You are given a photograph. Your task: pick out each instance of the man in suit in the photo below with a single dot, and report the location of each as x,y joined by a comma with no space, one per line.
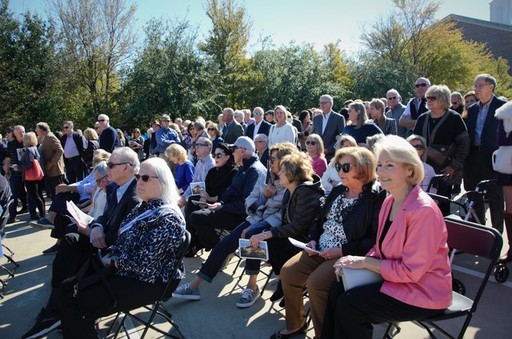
76,247
231,129
73,145
328,125
482,128
108,135
416,106
260,126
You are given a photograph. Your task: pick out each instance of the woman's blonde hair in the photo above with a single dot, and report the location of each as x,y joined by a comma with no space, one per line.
30,139
90,134
177,151
362,116
297,168
401,151
365,162
319,142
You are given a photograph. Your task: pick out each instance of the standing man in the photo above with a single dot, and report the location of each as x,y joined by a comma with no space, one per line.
416,106
482,128
108,137
396,109
248,120
231,129
52,158
165,137
456,101
13,157
73,145
328,125
260,126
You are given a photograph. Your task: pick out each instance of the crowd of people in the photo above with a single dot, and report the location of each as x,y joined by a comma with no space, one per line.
350,185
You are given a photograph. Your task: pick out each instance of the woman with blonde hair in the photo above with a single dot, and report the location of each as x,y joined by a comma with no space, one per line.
315,149
184,167
331,177
282,130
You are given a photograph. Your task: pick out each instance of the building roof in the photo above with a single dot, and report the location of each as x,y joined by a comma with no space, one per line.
497,37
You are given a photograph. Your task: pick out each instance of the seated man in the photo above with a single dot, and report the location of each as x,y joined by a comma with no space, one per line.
229,212
101,233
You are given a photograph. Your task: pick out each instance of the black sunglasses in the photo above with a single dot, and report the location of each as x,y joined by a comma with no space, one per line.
144,177
431,98
112,165
419,147
65,127
311,142
345,167
421,85
99,180
218,155
392,98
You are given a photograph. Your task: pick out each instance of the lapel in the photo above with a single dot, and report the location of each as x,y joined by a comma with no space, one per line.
490,113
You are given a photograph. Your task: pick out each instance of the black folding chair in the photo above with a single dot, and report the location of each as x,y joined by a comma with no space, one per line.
4,217
474,239
157,308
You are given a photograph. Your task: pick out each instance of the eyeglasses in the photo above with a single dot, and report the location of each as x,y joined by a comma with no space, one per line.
166,120
258,141
257,114
218,155
112,165
211,129
419,147
204,144
65,127
144,177
480,85
392,98
423,84
324,102
345,167
309,142
454,103
99,180
101,120
431,98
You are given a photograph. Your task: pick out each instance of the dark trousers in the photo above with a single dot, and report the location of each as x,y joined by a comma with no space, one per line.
76,169
95,301
280,250
34,199
226,246
475,171
203,222
18,192
351,314
59,202
51,183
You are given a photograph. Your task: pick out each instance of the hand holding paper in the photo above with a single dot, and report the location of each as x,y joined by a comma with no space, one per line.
302,245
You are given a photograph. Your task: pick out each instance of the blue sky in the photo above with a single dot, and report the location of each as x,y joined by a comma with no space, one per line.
314,21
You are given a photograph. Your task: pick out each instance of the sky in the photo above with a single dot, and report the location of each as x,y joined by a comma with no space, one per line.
312,21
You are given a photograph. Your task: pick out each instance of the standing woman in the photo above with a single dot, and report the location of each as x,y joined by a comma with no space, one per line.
447,139
315,149
282,130
307,127
137,144
122,139
387,125
359,126
504,113
411,254
469,99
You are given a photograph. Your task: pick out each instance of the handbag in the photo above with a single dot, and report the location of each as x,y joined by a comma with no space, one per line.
439,155
502,160
34,173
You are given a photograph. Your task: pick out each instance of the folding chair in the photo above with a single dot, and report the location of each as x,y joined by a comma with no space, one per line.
474,239
4,217
157,308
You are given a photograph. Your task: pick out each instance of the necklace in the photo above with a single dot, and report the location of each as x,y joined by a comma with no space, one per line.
397,204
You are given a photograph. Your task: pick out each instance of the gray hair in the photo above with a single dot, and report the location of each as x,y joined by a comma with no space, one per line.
442,93
169,190
261,137
126,154
327,97
488,79
239,114
43,126
101,168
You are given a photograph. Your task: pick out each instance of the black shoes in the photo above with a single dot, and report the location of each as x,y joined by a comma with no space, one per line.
46,322
278,294
51,250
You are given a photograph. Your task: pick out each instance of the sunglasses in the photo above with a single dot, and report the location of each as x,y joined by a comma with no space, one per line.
112,165
205,145
211,129
431,98
101,120
454,103
419,147
99,180
311,142
421,85
392,98
218,155
345,167
65,127
166,120
144,177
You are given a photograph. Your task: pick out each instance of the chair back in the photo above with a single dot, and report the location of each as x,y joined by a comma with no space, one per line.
180,254
4,216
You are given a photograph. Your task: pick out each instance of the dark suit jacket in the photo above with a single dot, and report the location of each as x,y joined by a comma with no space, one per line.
77,138
233,131
264,129
109,139
335,126
488,139
53,153
116,212
264,157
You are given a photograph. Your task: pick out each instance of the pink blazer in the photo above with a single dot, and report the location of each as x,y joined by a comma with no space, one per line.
416,270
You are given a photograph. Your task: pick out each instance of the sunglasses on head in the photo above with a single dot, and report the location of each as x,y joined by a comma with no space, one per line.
421,85
345,167
144,177
309,142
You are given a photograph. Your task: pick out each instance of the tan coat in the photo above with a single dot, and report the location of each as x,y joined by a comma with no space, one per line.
52,152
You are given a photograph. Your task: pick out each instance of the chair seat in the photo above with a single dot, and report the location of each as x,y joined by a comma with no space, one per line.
460,306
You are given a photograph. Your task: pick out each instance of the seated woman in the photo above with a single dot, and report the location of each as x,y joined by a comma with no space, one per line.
215,135
184,167
263,208
315,149
141,267
359,126
347,225
410,253
331,177
420,145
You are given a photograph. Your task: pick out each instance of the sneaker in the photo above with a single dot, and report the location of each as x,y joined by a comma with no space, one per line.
248,298
45,323
51,250
42,223
185,292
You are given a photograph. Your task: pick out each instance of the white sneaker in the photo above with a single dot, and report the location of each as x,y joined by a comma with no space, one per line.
248,298
185,292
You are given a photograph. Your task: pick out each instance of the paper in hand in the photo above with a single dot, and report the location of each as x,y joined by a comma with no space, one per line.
77,214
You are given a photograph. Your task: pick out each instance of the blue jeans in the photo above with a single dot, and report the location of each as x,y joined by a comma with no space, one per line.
228,245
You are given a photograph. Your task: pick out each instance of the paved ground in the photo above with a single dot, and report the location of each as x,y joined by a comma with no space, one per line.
216,315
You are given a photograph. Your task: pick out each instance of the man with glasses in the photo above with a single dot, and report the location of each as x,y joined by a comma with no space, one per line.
261,144
482,128
416,106
260,125
76,247
396,109
108,137
457,104
328,125
73,145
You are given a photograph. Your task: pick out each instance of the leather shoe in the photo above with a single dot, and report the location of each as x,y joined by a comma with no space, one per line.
279,335
278,294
